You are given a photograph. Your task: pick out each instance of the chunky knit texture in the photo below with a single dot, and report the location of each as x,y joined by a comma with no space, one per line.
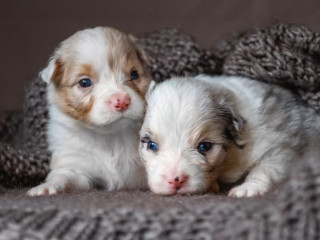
283,54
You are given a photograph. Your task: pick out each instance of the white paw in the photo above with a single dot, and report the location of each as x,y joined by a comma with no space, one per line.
247,190
45,189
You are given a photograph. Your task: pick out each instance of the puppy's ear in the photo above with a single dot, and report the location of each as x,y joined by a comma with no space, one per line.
140,52
53,72
47,72
234,124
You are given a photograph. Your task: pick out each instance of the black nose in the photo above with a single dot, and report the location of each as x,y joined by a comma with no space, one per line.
177,179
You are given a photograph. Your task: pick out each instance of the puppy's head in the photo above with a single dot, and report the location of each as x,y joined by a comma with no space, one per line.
187,135
98,76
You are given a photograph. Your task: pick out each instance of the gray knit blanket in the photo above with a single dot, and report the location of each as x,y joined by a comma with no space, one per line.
283,54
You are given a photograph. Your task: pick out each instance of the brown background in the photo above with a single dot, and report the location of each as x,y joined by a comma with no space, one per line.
30,29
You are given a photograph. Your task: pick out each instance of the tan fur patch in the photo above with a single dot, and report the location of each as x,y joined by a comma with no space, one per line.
80,111
221,158
58,72
209,132
69,102
127,57
230,161
87,70
141,84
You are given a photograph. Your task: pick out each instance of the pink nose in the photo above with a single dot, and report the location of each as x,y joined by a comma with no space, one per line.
178,181
119,102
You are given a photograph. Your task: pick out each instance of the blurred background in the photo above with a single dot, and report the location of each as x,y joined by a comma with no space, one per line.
31,29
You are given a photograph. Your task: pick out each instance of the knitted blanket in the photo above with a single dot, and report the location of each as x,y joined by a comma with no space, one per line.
283,54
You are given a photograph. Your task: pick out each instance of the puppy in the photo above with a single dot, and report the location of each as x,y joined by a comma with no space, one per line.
202,131
97,80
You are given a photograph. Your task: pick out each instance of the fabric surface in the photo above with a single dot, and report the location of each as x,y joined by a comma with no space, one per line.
282,54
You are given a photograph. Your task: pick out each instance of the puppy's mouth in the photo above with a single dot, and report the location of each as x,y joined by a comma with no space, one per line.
126,116
183,190
113,125
110,119
120,120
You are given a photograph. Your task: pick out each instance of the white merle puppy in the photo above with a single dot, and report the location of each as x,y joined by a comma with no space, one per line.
97,80
199,132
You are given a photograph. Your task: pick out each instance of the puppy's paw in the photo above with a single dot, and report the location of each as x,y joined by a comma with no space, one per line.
45,189
247,190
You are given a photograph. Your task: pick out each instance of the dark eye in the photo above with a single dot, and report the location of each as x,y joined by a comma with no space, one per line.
84,83
134,75
152,146
204,147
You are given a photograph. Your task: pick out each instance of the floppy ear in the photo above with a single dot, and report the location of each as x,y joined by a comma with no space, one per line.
140,52
234,124
53,72
47,72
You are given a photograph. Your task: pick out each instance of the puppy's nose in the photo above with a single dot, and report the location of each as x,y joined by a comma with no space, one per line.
119,102
178,181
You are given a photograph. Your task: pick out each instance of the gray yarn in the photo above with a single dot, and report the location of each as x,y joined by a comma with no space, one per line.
283,54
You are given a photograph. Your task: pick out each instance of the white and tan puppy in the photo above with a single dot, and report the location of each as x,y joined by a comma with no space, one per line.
204,130
97,80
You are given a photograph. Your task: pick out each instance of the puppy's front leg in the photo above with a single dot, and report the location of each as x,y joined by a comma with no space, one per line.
259,181
61,180
256,183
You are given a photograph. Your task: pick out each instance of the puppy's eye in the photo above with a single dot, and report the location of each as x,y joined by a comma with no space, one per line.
152,146
134,75
84,83
204,147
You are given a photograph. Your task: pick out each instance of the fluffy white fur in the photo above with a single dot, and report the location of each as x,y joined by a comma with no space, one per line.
103,149
263,119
